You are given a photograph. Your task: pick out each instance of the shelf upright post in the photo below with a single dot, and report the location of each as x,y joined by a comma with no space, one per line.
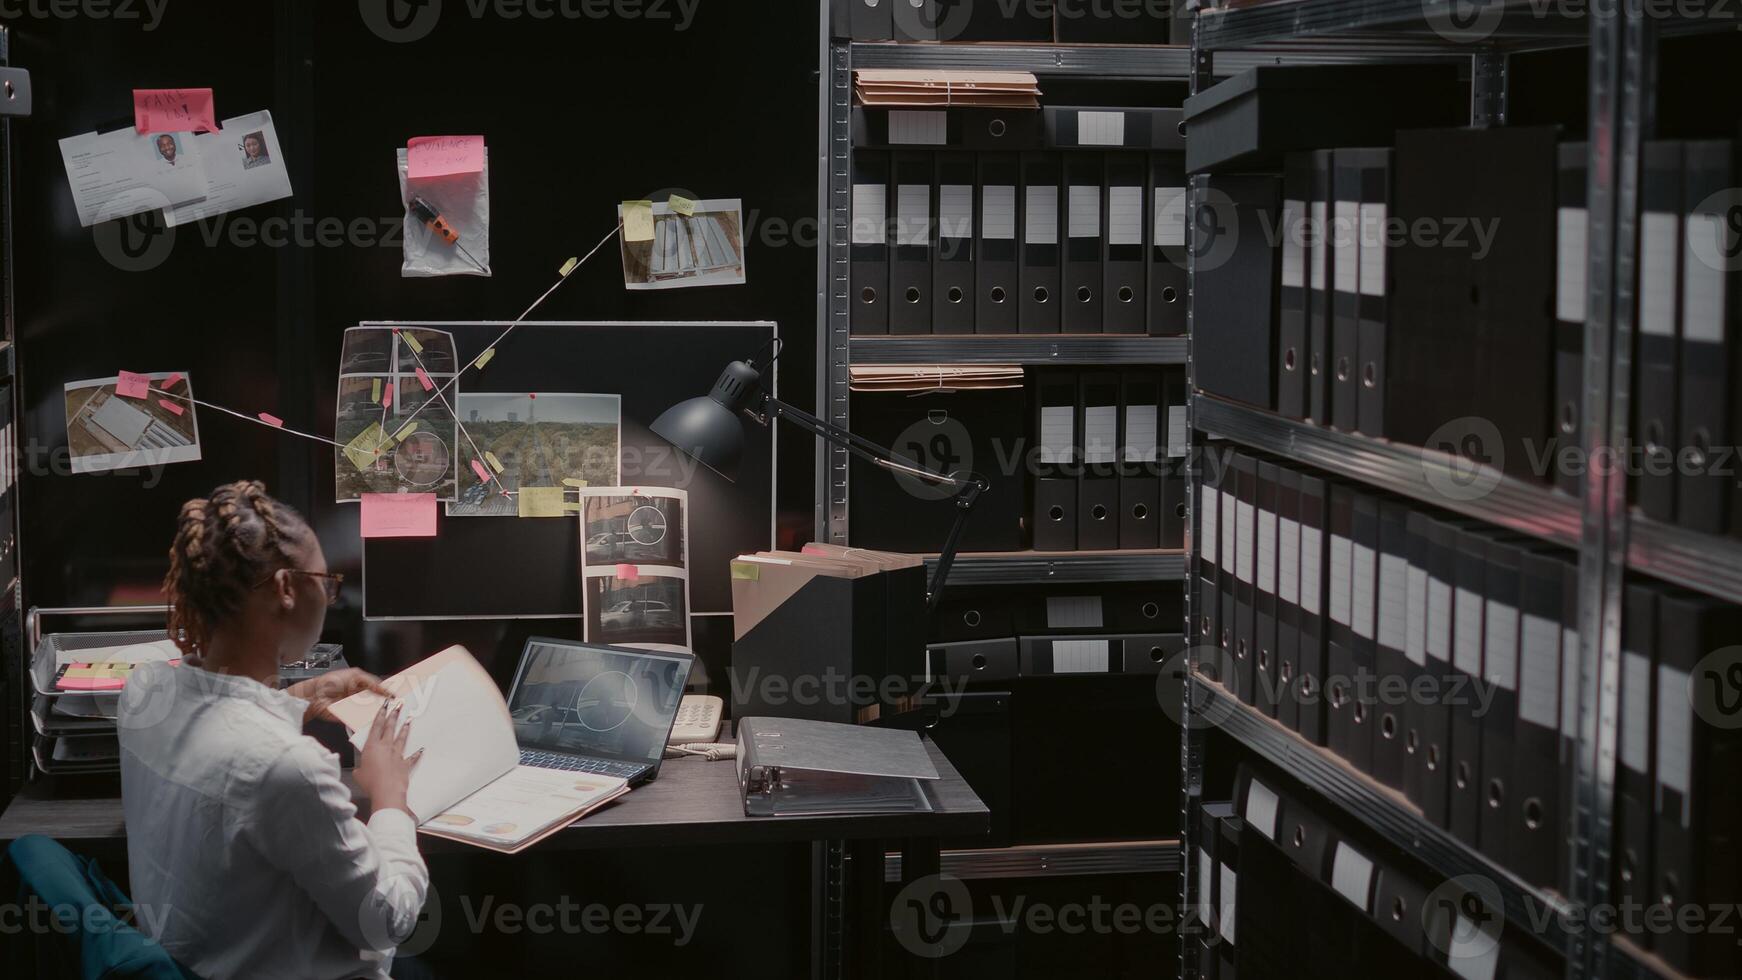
833,349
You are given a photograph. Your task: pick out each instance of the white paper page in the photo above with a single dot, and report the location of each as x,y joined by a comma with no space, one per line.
243,165
635,552
522,803
113,175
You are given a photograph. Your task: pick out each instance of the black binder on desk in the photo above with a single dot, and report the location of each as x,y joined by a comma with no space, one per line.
1291,342
1464,808
871,20
1363,624
910,272
1373,309
1418,549
1234,292
1436,756
1635,776
915,20
1502,587
1570,295
868,253
1711,353
1041,251
952,293
1340,643
1124,298
1207,537
1080,299
1536,826
1053,518
1288,596
1245,582
1344,236
995,247
1314,572
1140,509
1699,809
1168,206
1098,493
1264,661
1172,469
1391,663
1654,415
1319,293
797,766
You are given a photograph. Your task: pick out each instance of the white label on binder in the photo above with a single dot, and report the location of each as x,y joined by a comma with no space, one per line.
1206,898
1539,672
998,201
1261,809
1267,552
1042,224
1230,897
1345,247
1393,601
1079,656
1703,282
1073,612
1100,129
1243,536
1170,217
1439,620
955,211
1207,525
1361,581
1085,212
1288,561
1140,434
1675,734
1570,244
1635,711
1176,431
1321,255
1293,246
1101,434
1311,557
1659,241
1415,616
918,127
913,214
1352,875
1500,662
1230,520
1125,216
1340,579
1058,433
1467,632
1569,682
1473,951
1373,250
870,203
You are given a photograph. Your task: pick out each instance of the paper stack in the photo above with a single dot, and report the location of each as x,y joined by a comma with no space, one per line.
884,87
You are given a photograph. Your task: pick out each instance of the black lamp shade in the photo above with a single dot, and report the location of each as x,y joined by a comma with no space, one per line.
707,431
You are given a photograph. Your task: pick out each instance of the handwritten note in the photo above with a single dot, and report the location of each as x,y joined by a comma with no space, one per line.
541,502
439,156
399,515
424,380
366,447
174,110
638,221
130,385
272,420
627,573
171,381
483,474
170,407
681,205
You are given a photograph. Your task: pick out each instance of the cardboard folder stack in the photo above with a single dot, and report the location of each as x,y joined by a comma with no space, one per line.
919,378
885,87
829,633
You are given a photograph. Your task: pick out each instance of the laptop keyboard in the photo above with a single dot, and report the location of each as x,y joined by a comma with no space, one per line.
577,763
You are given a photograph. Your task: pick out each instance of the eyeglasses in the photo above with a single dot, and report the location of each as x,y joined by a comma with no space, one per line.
330,582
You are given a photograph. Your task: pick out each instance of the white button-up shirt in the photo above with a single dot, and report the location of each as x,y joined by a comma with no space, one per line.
247,856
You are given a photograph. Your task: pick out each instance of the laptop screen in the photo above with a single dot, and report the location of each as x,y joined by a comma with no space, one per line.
595,700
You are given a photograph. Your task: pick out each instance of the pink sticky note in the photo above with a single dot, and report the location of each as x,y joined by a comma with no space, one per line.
438,156
171,406
130,385
387,395
174,110
424,380
170,382
272,420
399,515
478,468
628,573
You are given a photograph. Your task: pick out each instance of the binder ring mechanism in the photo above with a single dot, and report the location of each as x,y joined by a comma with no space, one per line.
763,780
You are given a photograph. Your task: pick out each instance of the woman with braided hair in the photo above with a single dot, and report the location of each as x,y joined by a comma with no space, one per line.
245,847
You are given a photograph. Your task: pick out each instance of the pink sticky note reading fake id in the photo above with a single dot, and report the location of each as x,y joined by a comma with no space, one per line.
478,468
170,406
628,573
424,380
174,110
399,515
439,156
272,420
171,381
130,385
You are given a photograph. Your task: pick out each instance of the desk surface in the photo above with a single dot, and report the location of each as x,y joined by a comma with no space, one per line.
692,802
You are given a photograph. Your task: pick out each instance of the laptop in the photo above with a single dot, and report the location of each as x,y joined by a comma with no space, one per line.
588,707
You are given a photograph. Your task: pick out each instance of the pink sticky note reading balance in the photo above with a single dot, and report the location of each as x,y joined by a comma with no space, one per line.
130,385
439,156
399,515
174,110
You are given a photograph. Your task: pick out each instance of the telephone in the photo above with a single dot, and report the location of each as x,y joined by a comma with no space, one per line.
698,719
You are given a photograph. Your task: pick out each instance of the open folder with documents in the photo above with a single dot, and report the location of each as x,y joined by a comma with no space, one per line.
470,785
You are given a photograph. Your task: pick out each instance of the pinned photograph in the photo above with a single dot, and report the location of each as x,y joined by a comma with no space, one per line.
704,248
634,528
123,422
240,172
534,439
394,418
643,606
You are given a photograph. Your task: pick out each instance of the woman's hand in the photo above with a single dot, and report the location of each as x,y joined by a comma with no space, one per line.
383,771
336,685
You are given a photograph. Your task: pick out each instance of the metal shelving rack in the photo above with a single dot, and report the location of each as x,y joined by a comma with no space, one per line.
1622,45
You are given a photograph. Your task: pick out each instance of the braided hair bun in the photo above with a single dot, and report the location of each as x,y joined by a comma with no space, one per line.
225,546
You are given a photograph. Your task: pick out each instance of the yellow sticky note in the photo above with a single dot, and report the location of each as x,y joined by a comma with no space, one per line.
638,221
568,267
541,501
363,450
409,428
375,392
580,484
746,571
681,205
411,341
484,358
490,457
